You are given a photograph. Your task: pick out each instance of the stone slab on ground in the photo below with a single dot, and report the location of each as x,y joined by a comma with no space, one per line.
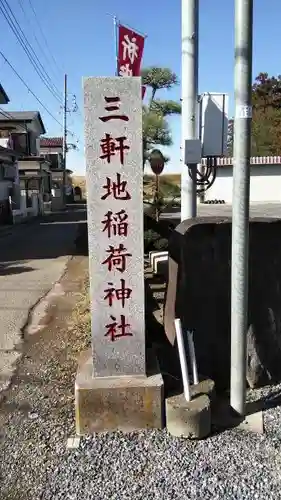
124,404
223,418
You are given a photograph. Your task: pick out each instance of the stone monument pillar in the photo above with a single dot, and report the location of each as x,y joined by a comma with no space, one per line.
114,389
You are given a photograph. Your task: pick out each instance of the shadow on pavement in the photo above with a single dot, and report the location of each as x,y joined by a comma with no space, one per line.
7,269
50,237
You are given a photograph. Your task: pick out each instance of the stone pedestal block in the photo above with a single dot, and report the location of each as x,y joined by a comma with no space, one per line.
127,403
189,419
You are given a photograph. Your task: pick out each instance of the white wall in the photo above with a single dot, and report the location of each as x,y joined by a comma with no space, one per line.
265,184
29,165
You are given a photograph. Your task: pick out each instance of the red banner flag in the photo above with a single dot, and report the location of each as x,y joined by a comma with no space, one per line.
130,51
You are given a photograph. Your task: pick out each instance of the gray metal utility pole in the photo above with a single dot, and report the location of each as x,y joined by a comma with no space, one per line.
64,151
240,201
190,29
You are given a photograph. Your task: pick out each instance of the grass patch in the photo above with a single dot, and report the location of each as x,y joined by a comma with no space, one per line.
81,318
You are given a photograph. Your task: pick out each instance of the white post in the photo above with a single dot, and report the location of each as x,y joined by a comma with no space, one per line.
183,362
192,357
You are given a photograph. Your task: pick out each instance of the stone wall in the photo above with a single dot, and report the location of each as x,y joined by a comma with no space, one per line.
200,262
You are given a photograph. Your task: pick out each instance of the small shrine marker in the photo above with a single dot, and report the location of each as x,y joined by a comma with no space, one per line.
113,148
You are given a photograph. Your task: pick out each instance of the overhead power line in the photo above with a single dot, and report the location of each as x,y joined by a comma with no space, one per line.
29,89
18,32
41,48
34,95
44,38
60,70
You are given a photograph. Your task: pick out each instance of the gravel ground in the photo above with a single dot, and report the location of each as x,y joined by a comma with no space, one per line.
37,417
145,465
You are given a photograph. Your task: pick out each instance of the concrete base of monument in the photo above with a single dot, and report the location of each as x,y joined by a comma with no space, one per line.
189,419
117,403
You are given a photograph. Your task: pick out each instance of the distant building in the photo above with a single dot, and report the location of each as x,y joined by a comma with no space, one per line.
265,180
9,175
51,148
21,131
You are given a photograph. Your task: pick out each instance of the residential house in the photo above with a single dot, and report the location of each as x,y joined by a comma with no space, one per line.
22,129
51,148
9,179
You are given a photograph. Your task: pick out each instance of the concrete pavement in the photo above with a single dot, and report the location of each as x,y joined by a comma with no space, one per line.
33,258
256,210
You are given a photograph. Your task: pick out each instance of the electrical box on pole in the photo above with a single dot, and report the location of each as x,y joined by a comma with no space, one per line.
213,124
192,151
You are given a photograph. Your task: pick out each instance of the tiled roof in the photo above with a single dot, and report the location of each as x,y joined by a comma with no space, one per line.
255,160
51,142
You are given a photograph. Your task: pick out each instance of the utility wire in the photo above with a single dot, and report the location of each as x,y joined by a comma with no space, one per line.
41,48
24,42
29,89
44,38
59,68
15,27
9,115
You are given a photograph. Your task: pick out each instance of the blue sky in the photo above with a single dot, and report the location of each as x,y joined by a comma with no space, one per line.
80,37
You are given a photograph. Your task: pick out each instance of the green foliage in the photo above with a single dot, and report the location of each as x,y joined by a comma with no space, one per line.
153,241
165,108
266,122
166,189
159,78
156,130
169,189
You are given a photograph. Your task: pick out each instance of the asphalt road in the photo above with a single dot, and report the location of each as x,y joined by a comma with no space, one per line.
33,257
256,210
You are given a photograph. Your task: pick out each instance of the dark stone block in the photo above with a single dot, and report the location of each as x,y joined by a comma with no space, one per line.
81,241
200,262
